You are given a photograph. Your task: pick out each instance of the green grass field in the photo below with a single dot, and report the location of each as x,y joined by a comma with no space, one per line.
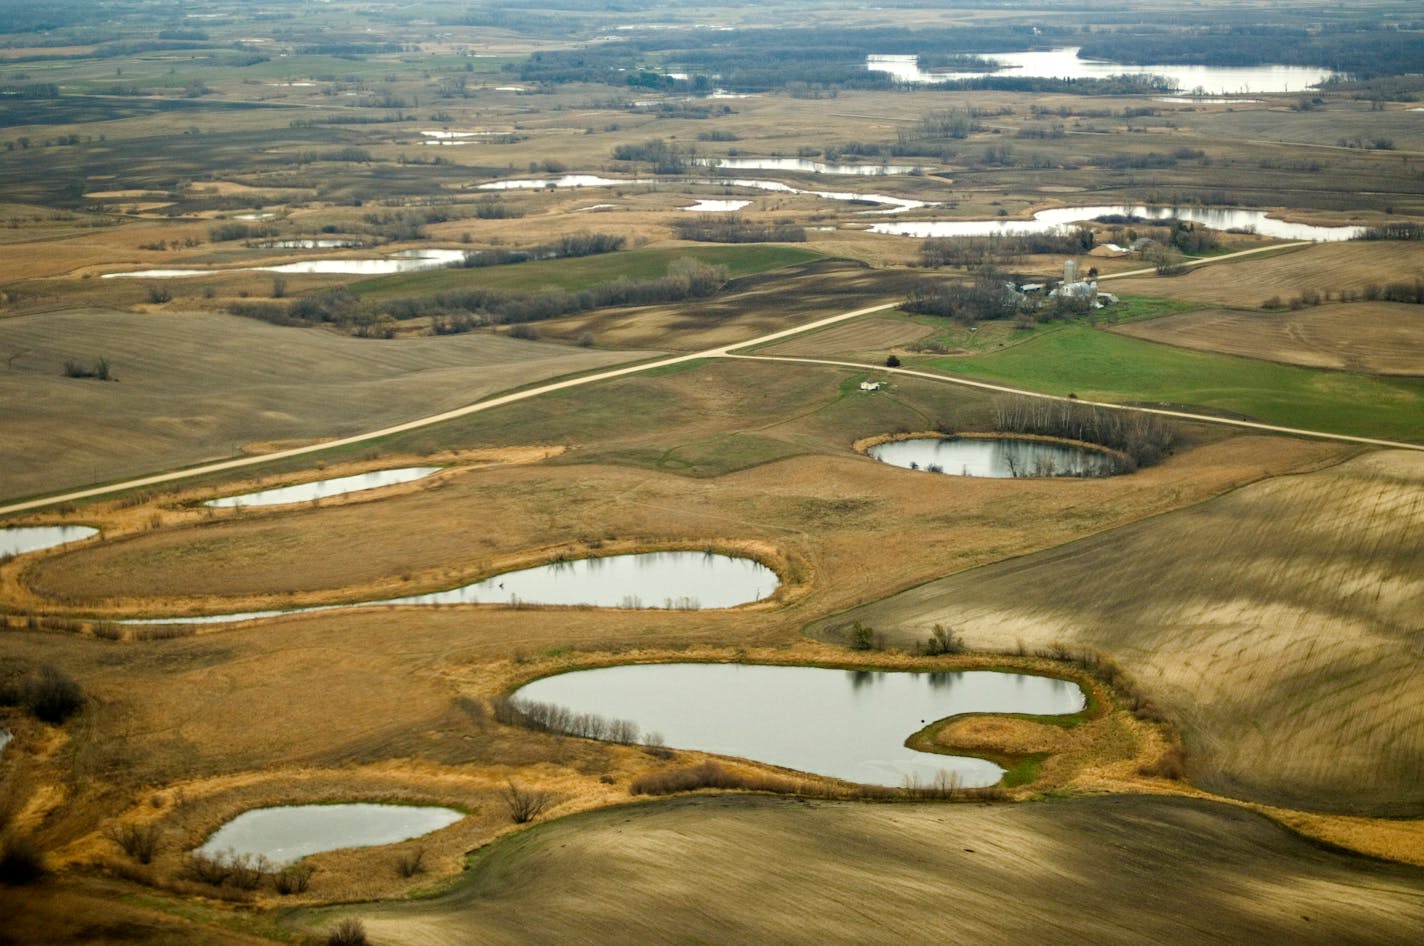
1101,366
580,273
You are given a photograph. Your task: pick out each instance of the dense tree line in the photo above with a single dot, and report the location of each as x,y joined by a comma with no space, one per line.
735,229
1144,439
1394,231
1003,248
464,309
566,247
663,156
1368,51
989,296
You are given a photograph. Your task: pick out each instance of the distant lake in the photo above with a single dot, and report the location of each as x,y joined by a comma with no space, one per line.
1217,218
1063,63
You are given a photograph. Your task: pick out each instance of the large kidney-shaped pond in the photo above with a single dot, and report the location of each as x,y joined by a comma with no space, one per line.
998,457
291,832
675,580
847,724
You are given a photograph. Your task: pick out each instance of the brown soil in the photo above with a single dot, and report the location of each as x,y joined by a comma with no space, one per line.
1325,267
1375,337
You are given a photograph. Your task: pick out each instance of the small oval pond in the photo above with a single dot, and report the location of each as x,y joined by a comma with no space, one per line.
685,581
291,832
303,492
17,540
847,724
1005,457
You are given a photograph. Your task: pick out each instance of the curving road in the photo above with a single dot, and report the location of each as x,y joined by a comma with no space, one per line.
725,351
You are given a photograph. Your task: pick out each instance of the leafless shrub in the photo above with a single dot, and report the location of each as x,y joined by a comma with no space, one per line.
22,860
1171,764
525,804
349,932
49,694
294,878
943,640
210,869
248,871
655,746
412,862
138,841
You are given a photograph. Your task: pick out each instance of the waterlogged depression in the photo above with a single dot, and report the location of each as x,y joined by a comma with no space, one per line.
847,724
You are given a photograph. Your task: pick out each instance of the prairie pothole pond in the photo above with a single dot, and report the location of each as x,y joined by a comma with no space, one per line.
319,489
291,832
1004,457
684,581
847,724
17,540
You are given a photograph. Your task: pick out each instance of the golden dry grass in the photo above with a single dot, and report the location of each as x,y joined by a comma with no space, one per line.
1279,624
1374,337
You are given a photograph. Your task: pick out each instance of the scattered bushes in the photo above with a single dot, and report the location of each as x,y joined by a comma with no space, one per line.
860,637
21,859
525,804
943,640
138,841
49,694
411,863
241,871
1171,764
98,370
349,932
294,878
